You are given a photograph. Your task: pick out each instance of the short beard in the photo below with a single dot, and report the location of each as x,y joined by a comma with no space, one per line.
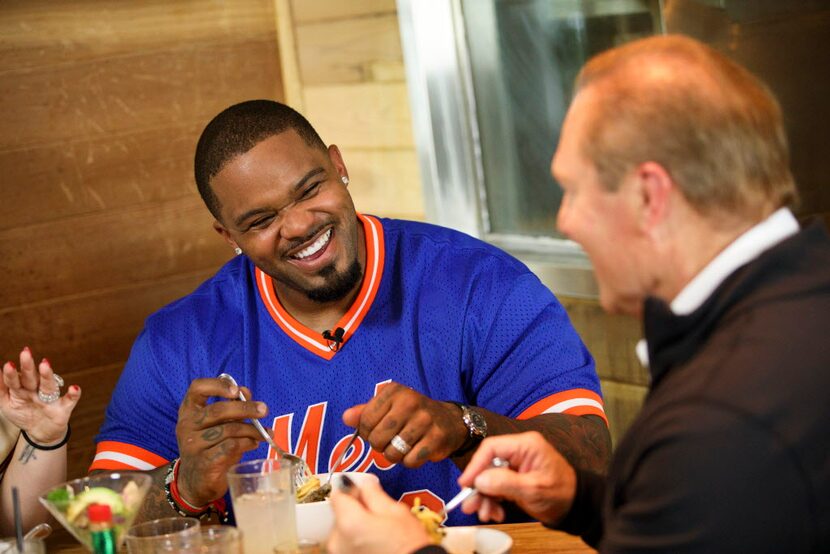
338,285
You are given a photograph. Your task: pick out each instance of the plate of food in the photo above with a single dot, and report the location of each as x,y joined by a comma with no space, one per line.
475,540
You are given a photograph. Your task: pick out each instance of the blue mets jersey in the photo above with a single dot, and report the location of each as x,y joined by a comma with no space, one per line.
441,312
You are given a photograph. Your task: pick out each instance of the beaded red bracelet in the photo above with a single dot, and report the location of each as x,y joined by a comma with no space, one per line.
177,498
185,508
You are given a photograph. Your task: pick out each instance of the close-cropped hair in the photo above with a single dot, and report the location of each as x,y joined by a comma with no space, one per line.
235,131
709,122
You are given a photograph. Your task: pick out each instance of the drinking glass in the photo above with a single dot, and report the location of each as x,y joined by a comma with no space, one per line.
30,546
262,492
304,546
221,539
124,492
171,534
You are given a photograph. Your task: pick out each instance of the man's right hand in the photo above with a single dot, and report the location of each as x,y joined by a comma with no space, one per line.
540,480
213,437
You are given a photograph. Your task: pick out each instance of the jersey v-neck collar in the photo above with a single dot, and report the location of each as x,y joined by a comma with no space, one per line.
312,340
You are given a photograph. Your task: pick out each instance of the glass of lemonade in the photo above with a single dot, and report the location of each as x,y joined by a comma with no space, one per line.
262,492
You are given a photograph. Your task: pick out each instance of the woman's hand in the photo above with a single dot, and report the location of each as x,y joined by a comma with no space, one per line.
44,422
368,521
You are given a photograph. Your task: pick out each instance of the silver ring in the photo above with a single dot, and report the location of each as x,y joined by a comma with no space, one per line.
58,379
48,398
400,445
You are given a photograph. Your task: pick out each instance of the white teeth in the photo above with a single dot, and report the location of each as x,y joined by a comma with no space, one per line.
315,247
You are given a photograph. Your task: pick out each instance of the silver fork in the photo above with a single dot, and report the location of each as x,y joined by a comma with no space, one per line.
301,471
340,457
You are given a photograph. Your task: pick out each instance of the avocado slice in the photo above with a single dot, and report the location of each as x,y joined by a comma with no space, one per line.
96,495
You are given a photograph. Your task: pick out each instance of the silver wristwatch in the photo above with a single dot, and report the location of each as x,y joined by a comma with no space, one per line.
476,427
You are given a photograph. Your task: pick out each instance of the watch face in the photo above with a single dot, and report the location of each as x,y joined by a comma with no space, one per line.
476,423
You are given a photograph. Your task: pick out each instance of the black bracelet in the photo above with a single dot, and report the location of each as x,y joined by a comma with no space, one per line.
168,481
51,447
224,516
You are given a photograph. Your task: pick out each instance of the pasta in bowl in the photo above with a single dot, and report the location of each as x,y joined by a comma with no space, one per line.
316,519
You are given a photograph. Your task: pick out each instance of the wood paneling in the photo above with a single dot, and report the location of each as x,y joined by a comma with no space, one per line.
45,33
317,10
112,96
610,338
93,329
622,404
346,51
148,241
366,115
80,177
101,104
385,182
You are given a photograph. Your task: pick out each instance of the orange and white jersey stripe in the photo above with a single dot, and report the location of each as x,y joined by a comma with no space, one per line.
114,455
574,402
310,339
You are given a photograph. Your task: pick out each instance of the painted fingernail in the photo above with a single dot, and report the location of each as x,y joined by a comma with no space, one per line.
45,361
74,388
12,364
346,484
26,349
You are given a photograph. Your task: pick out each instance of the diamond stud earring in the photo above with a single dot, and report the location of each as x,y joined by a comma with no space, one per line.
237,251
345,180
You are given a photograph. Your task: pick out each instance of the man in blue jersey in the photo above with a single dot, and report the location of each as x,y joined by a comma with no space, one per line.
424,339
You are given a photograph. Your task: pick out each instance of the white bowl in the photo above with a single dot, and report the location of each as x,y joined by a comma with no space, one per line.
315,519
465,540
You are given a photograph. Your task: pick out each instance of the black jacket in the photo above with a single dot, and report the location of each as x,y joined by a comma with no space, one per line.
731,451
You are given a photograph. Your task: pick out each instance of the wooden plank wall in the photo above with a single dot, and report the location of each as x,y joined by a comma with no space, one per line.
343,67
345,72
611,339
101,104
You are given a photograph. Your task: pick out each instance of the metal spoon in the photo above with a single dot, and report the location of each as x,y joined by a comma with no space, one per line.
467,492
301,470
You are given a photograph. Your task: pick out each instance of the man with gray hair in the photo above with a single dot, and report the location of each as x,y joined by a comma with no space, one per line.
675,170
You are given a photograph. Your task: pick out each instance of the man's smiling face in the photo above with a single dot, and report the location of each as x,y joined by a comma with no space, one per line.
285,205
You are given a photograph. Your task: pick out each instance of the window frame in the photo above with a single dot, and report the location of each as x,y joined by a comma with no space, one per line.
442,99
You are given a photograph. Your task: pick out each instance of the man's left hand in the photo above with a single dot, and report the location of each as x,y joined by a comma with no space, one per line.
426,429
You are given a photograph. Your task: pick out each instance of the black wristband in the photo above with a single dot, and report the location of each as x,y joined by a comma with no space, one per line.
50,447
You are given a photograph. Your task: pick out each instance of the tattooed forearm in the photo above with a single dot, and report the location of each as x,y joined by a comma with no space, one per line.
27,454
583,440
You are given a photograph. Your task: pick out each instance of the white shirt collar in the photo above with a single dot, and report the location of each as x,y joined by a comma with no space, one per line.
763,236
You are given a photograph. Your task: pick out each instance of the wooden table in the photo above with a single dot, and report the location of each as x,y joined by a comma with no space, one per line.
528,538
532,538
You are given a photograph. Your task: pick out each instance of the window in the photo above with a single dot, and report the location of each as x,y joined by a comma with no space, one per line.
490,82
